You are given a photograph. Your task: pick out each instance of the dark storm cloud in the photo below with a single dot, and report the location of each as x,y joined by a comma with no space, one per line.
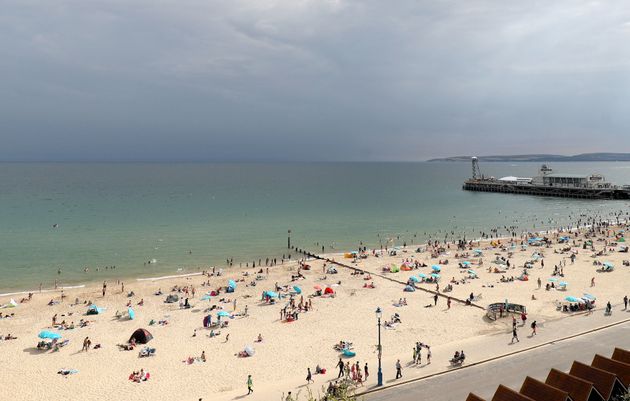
311,80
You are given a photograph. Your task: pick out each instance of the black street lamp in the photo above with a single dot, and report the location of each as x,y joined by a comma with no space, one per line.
379,314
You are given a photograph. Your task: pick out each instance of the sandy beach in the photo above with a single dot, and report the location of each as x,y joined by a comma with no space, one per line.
280,361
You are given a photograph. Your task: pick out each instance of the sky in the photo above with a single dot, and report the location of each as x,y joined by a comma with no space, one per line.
325,80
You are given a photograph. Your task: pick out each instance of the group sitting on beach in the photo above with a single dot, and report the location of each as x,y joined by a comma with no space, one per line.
140,376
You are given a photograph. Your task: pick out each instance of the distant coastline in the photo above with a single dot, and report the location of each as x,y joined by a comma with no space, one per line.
584,157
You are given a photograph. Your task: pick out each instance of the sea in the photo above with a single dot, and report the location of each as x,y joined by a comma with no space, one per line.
58,220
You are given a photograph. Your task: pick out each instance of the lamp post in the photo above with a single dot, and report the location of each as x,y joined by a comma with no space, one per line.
379,314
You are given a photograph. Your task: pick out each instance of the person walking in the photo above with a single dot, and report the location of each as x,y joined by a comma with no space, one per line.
309,376
448,303
625,302
539,283
365,371
340,366
250,385
435,299
398,369
514,335
428,355
534,325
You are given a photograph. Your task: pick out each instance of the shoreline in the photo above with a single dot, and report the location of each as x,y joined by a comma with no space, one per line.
140,278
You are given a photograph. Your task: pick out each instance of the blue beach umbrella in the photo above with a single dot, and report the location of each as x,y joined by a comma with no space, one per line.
271,294
436,268
572,299
223,314
474,273
553,279
206,297
563,284
608,264
589,297
132,314
49,335
466,263
434,275
414,279
422,275
297,289
232,284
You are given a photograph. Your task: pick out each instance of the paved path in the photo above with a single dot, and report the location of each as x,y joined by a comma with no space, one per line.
483,379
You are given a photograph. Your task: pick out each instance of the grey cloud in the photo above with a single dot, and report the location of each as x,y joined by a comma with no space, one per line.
311,80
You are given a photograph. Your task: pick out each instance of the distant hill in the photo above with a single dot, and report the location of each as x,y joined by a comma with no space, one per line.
584,157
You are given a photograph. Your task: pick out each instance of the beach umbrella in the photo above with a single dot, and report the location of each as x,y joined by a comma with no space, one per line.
436,268
608,264
317,287
223,314
422,275
573,299
49,335
466,263
589,297
435,275
472,272
553,279
271,294
206,297
563,284
414,279
297,289
232,284
249,350
132,314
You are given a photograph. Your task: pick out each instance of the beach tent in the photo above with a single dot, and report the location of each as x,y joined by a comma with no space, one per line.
608,266
329,290
49,335
94,310
409,288
297,289
132,314
574,299
348,353
394,269
232,284
622,239
436,268
207,321
141,336
170,299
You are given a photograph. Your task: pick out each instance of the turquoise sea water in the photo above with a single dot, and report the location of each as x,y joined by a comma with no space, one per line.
127,214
